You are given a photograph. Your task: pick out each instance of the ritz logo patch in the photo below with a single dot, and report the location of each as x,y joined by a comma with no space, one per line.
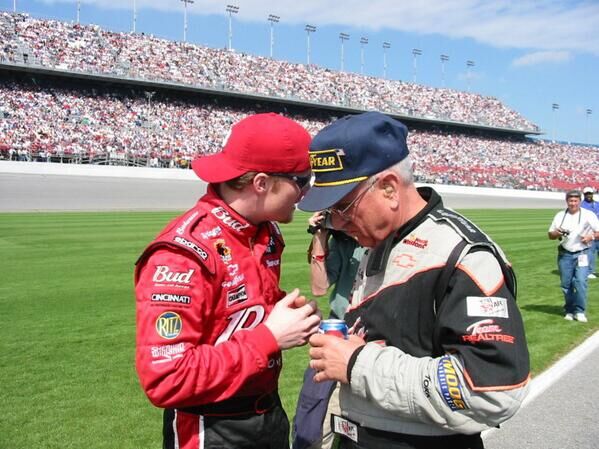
450,384
169,325
326,160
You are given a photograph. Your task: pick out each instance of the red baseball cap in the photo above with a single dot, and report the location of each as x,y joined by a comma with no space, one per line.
268,143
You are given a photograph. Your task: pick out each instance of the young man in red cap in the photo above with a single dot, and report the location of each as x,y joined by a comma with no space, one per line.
211,318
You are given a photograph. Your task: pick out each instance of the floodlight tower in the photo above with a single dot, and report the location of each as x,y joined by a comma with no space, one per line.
78,10
386,46
588,113
272,19
231,9
444,59
185,2
309,29
554,107
343,37
415,53
469,64
134,16
363,41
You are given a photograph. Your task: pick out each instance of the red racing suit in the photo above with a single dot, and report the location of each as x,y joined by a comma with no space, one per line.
203,289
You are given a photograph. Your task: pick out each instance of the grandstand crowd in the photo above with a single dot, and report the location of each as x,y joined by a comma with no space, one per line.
110,126
90,49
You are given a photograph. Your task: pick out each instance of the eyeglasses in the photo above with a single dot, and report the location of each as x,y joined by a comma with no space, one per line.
302,182
345,213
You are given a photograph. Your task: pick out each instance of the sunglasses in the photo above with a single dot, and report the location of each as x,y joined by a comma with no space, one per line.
302,182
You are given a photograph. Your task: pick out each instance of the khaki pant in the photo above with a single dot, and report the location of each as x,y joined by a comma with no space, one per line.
328,437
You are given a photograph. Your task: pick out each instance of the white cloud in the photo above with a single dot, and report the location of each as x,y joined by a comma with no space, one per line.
549,25
542,57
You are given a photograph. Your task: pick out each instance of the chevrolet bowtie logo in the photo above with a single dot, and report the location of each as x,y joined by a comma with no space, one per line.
326,160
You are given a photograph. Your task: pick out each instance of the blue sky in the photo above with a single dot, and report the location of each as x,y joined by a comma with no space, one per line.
528,53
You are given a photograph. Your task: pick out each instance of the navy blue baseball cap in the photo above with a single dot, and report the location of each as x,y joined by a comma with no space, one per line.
349,151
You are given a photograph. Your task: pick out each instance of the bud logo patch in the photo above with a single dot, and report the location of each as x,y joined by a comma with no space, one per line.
226,218
164,274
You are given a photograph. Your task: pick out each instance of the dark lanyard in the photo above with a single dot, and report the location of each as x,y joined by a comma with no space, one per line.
564,217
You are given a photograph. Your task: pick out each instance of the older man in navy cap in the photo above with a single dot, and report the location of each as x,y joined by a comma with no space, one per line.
437,351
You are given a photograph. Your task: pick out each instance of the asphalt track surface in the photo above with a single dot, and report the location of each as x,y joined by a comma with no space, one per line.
47,192
562,409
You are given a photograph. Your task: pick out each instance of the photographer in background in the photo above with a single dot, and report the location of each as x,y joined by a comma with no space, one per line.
589,203
334,258
576,228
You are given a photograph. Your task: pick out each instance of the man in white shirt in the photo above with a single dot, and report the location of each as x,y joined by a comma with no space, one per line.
576,228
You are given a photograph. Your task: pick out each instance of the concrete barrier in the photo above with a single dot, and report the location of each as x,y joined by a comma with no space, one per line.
38,186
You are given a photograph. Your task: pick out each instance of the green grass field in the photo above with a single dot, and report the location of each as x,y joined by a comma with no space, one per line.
66,291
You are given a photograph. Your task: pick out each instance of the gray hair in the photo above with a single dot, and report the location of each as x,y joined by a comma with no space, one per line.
405,170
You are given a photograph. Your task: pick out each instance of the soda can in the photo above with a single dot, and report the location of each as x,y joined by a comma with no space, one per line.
337,328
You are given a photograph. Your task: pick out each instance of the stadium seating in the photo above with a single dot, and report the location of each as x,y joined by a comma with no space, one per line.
90,49
46,122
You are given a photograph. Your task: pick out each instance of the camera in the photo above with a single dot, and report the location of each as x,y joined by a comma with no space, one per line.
324,223
563,232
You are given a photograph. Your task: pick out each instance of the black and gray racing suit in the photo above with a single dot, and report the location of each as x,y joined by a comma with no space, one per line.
438,367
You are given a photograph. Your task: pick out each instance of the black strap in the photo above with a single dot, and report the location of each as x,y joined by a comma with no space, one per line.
443,281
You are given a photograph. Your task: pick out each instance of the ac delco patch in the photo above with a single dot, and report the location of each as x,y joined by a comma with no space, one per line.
326,160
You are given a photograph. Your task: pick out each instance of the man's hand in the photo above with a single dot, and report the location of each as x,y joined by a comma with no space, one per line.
293,320
330,356
588,238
